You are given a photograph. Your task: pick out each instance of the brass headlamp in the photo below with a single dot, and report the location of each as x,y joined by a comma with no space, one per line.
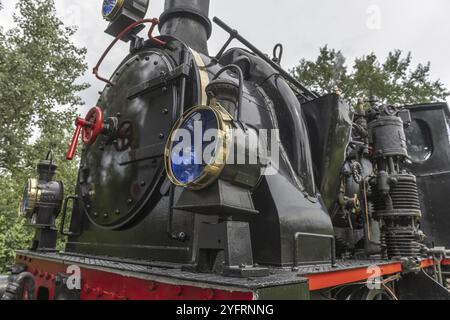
205,173
42,197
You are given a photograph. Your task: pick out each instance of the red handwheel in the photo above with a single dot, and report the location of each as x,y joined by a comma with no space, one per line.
90,127
94,128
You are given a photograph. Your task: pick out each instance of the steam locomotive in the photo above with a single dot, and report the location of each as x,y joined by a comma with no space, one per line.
326,196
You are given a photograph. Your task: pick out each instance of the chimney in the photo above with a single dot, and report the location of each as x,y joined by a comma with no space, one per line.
187,20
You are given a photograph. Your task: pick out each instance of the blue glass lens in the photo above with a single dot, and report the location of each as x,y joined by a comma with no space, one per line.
187,164
108,7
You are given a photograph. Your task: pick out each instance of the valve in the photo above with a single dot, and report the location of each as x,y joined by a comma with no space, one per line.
90,128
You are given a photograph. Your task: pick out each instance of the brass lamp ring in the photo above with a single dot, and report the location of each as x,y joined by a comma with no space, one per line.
118,6
213,169
31,197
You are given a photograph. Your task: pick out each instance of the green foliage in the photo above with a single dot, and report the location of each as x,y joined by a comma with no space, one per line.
394,81
39,68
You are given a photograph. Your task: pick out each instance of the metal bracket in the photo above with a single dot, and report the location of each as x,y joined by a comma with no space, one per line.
297,235
63,216
159,82
149,152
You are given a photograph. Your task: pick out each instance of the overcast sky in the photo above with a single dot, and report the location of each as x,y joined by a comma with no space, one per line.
356,27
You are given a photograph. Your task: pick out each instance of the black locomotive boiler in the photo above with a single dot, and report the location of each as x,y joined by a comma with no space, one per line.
333,190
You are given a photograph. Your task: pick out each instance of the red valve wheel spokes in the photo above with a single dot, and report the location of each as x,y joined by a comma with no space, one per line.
94,126
90,127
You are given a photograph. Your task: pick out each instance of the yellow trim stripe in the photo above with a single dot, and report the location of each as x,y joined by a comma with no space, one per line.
204,78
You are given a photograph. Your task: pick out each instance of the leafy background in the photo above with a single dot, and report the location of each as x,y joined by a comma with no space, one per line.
39,68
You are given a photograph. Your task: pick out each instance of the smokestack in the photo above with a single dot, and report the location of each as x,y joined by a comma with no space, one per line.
188,21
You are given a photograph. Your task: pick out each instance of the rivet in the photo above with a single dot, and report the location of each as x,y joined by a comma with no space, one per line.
164,89
95,214
152,286
210,294
147,58
130,201
98,292
117,212
155,63
143,183
118,114
165,111
178,290
161,135
101,148
105,215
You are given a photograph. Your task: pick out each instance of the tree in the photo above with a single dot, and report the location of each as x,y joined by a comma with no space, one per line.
39,68
393,81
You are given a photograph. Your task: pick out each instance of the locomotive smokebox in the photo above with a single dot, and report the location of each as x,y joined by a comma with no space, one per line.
188,21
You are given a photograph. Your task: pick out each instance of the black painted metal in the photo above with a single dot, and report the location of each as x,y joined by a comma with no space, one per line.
299,235
308,95
329,122
20,286
420,286
132,11
433,174
126,208
124,177
4,280
393,192
63,215
277,277
188,21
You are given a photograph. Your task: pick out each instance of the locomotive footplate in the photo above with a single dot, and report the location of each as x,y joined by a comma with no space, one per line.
103,278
